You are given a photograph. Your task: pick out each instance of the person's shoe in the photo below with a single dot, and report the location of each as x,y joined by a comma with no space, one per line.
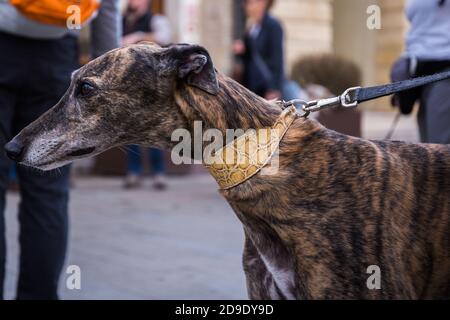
132,181
160,183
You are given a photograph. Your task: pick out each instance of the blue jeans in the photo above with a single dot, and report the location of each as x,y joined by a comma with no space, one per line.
12,175
34,75
156,158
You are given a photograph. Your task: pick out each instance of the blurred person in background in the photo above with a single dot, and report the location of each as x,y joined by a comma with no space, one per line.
36,62
261,50
427,52
139,24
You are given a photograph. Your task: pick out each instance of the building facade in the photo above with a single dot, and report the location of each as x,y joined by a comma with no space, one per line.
311,26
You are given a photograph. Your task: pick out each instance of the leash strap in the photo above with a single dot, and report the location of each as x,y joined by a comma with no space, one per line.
353,96
366,94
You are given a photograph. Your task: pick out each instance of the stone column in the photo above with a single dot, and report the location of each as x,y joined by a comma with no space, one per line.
308,27
391,37
389,44
205,22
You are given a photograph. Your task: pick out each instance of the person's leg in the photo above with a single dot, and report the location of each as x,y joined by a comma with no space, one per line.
10,73
6,111
134,168
12,175
157,161
134,160
421,118
43,210
436,98
158,167
2,237
43,231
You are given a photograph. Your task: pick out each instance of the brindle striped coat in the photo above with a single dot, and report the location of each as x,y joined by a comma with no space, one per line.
337,205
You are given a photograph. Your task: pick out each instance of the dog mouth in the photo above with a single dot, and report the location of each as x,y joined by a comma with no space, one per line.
81,152
56,163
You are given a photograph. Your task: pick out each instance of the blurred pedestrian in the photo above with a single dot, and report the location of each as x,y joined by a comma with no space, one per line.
262,50
38,54
13,184
139,24
427,52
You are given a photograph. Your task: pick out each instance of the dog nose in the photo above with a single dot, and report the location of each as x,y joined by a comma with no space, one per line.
14,150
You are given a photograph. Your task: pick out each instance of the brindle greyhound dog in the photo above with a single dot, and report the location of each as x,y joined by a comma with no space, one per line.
337,205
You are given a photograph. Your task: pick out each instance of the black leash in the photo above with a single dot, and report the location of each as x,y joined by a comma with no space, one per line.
366,94
353,96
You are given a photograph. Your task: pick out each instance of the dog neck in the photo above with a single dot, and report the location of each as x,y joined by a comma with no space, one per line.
237,108
234,107
244,157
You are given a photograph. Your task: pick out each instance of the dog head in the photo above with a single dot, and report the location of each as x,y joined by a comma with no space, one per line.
123,97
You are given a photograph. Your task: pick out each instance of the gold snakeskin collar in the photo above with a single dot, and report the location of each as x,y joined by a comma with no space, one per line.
248,154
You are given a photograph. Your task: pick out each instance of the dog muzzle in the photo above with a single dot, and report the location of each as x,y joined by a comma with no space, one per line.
248,154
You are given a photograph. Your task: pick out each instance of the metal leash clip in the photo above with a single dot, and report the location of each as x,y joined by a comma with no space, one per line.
346,100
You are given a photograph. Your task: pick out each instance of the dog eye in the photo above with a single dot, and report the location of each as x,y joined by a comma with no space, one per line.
85,88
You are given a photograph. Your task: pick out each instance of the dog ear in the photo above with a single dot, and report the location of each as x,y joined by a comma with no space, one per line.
196,68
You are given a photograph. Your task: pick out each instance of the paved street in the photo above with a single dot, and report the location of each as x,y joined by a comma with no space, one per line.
184,243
